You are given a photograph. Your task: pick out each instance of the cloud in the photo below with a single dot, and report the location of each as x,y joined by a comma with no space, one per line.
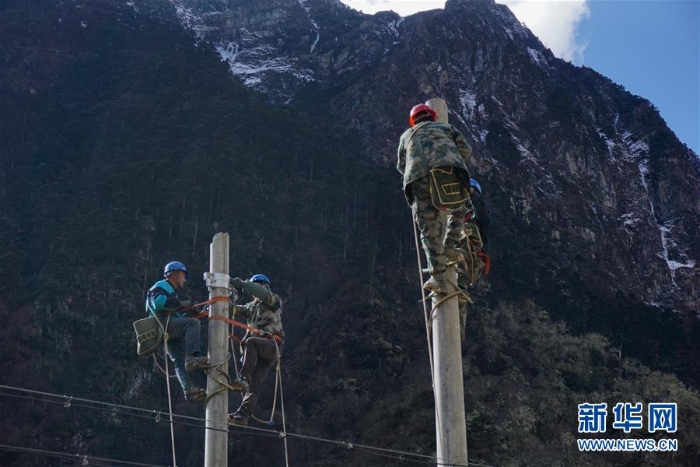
555,23
402,7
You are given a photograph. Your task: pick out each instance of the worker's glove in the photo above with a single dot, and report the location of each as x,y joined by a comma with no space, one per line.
265,334
237,282
185,303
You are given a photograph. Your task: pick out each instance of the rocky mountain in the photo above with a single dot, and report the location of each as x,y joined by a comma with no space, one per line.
556,138
134,130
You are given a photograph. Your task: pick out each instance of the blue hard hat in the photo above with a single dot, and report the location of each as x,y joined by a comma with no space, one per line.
475,185
260,278
173,266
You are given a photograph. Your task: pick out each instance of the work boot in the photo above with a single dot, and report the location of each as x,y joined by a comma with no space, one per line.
437,284
193,362
238,418
454,255
241,384
464,298
194,394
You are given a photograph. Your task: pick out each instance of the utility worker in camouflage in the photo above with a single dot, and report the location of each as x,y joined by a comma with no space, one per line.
184,345
261,350
429,145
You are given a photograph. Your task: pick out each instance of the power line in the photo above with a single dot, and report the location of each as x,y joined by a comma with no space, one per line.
160,416
86,460
70,401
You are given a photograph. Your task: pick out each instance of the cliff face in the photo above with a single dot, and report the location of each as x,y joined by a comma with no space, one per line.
139,129
561,148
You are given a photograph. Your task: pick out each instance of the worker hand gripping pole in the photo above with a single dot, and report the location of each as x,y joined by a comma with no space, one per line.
216,437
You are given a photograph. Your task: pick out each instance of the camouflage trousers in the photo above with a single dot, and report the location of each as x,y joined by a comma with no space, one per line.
436,234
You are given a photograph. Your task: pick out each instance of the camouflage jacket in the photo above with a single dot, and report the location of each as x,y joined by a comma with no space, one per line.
264,312
429,145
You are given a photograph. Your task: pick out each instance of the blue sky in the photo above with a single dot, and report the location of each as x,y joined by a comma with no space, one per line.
651,47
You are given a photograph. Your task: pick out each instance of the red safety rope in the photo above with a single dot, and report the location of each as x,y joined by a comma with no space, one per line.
244,326
487,261
205,314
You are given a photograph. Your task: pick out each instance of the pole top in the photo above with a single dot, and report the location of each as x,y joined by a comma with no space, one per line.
439,105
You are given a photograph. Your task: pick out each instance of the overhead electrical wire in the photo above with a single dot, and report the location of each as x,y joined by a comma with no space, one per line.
86,459
161,416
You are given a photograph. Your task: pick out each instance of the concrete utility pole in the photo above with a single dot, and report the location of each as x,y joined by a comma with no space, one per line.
216,438
450,419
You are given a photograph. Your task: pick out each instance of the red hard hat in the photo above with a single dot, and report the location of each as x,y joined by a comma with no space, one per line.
418,109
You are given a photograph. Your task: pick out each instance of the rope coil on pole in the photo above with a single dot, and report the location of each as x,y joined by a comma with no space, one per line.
216,367
441,301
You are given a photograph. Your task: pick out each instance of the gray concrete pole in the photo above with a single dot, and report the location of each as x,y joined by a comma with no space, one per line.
440,107
450,418
216,438
451,427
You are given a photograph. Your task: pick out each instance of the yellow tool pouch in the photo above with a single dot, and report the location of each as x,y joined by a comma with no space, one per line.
149,335
446,190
